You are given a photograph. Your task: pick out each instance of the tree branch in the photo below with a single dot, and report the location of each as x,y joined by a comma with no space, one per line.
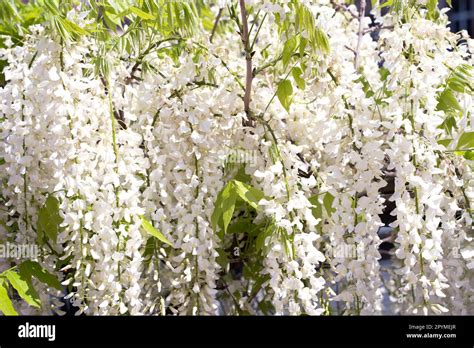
216,22
343,8
378,27
267,65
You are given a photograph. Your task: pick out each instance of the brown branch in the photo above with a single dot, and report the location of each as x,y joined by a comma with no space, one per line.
248,57
343,8
378,27
216,22
350,49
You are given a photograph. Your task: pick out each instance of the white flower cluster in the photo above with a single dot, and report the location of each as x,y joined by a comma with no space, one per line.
118,150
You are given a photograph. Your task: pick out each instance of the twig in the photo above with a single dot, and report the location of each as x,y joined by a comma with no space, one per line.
216,22
345,8
267,65
258,31
377,27
350,49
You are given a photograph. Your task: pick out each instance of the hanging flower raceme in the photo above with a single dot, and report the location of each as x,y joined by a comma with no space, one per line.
248,173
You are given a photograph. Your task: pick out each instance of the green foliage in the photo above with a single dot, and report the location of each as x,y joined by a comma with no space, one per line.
149,251
448,102
129,27
328,200
296,72
465,145
292,29
6,305
284,93
288,49
15,18
142,14
445,142
148,227
248,194
466,141
226,200
49,220
24,288
20,279
459,81
305,21
405,9
30,269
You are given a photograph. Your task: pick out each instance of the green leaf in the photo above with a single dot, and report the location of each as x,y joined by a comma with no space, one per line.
24,288
305,21
228,207
148,227
449,124
49,220
469,155
30,269
73,27
141,14
150,247
466,141
445,142
222,259
320,40
297,72
461,79
327,200
384,73
217,213
284,93
6,305
248,194
288,49
432,5
242,225
302,46
285,239
241,175
51,7
447,101
223,201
